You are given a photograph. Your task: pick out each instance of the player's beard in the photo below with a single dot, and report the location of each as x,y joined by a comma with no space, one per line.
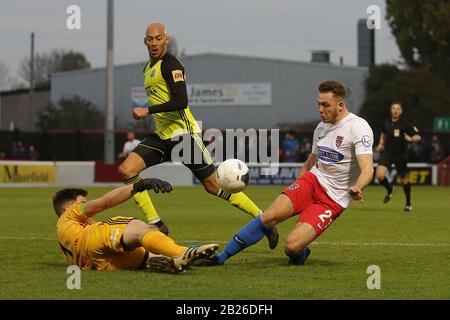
154,55
333,118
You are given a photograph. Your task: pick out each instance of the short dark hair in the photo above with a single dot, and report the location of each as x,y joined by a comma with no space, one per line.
338,89
397,102
65,195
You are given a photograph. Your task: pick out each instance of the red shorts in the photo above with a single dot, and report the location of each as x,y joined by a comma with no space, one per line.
312,202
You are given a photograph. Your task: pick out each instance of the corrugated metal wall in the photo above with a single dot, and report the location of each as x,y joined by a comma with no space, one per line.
294,88
16,110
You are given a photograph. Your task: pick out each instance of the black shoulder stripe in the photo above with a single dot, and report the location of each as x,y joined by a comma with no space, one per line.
171,62
143,71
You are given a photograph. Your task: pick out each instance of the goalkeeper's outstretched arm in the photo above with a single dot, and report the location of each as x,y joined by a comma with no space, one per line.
123,193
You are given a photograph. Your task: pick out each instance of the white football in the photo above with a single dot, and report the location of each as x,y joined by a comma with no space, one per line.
232,175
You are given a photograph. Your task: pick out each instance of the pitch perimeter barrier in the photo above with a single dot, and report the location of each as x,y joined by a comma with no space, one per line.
46,173
83,173
286,173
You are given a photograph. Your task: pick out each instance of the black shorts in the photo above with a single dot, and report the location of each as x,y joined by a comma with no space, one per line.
189,149
400,161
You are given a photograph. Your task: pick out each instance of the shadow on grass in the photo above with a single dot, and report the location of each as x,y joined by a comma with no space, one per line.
369,209
53,264
283,262
132,271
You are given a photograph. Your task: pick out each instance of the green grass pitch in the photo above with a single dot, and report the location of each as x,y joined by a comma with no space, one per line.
411,249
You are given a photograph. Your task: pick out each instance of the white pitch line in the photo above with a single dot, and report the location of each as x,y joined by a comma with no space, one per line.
327,243
346,243
398,244
28,238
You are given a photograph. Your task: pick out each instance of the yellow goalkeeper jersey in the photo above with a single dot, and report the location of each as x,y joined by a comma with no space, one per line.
72,229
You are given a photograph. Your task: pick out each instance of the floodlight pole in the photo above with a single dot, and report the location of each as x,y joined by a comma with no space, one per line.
30,113
32,64
109,125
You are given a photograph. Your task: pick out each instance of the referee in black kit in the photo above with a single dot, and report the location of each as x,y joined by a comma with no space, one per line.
393,139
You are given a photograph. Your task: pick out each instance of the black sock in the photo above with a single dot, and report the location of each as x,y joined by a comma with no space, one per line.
407,189
386,184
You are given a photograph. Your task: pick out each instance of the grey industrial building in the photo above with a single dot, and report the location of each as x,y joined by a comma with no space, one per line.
225,91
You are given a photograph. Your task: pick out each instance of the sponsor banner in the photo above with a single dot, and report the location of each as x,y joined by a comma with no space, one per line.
283,174
230,94
419,174
27,173
442,124
286,173
139,97
215,94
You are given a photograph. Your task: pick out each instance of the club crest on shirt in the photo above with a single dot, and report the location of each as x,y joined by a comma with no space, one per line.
293,186
153,73
339,140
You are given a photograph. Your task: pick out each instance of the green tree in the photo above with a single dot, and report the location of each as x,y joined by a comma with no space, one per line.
423,94
422,31
71,113
73,61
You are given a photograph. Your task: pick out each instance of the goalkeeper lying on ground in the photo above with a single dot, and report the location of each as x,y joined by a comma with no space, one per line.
119,242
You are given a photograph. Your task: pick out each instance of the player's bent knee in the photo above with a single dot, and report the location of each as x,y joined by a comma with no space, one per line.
380,175
270,219
292,247
135,231
302,235
210,187
127,171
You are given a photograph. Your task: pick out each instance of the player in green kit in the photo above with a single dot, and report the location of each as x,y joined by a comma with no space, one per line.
165,85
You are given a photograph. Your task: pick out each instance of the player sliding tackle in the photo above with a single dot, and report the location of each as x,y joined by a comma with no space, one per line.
338,169
119,242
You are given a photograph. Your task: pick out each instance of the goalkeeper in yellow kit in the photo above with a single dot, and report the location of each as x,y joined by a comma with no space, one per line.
165,85
119,242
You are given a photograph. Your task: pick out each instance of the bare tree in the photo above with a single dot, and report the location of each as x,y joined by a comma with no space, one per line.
173,47
47,63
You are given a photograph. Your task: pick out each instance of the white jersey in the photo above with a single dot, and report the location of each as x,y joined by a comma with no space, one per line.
336,146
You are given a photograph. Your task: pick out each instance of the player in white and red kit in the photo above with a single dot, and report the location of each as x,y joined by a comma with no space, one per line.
338,169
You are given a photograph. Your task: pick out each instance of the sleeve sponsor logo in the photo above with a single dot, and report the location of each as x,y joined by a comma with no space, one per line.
329,155
177,75
366,141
